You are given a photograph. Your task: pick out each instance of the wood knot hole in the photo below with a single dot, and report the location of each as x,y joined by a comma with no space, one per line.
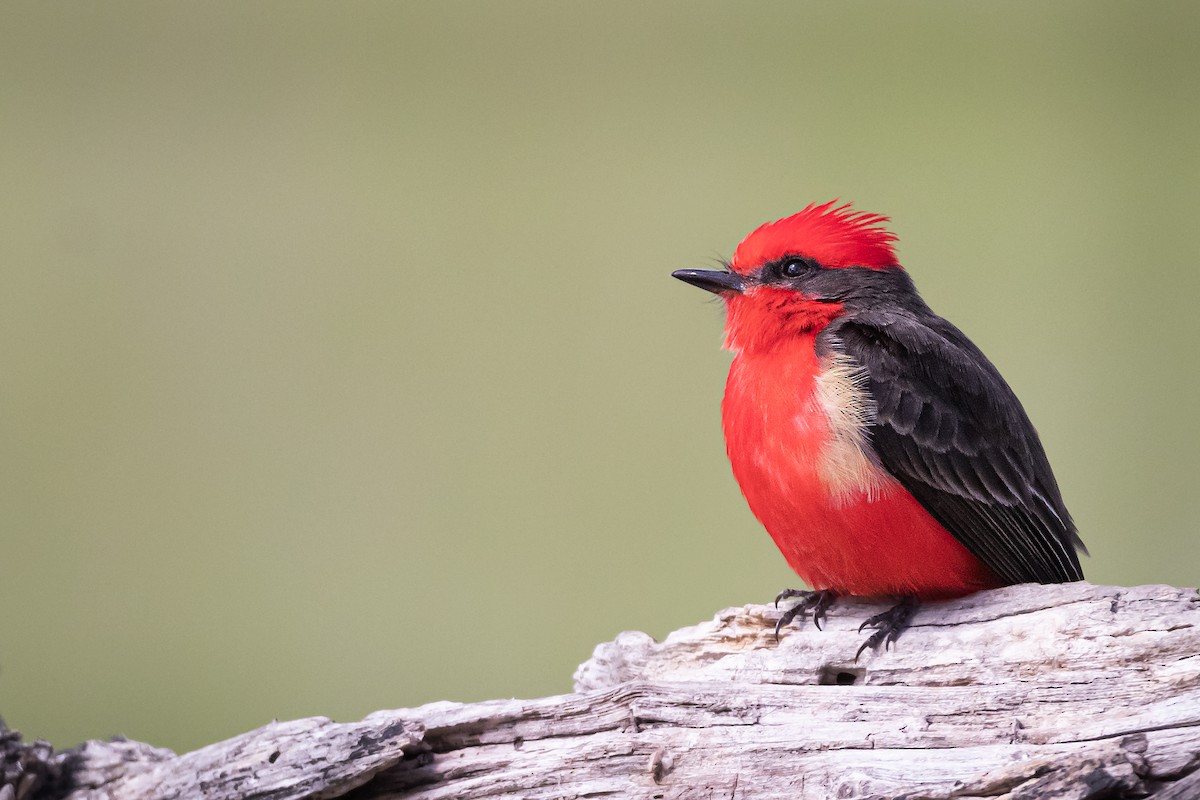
841,676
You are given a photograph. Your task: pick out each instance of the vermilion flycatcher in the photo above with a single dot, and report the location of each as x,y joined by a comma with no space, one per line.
877,445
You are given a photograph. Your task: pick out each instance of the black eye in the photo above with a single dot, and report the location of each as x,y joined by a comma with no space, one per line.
793,268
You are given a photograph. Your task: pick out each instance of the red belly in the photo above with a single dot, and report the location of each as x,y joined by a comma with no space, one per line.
870,537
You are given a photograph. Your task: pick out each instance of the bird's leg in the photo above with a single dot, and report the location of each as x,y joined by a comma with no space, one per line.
815,601
888,625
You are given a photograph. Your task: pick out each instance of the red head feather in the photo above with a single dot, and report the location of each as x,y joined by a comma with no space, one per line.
833,237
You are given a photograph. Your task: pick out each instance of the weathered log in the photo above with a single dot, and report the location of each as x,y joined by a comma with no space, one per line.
1073,691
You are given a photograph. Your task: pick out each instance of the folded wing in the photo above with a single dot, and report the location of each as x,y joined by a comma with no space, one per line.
955,436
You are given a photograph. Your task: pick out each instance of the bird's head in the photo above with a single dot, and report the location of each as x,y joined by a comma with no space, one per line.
795,275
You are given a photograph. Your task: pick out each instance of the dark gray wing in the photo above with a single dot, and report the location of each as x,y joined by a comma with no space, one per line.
955,436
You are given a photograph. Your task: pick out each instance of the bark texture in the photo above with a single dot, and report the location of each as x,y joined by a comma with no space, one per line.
1072,691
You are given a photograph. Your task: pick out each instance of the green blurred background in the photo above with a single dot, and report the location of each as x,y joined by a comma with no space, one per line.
342,369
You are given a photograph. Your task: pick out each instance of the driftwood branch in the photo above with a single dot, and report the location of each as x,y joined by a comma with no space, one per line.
1075,691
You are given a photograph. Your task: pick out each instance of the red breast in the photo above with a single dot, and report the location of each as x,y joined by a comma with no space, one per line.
796,434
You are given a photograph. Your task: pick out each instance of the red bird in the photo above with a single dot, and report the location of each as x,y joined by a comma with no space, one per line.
877,445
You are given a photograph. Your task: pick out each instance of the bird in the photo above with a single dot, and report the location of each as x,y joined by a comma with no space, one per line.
877,445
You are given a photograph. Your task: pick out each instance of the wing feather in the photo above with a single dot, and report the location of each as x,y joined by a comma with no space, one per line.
952,432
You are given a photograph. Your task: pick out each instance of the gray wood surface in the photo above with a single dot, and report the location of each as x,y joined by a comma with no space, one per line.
1073,691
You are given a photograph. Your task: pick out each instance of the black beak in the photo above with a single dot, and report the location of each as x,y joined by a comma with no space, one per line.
711,280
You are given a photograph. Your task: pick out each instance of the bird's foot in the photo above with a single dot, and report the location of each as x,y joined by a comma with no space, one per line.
818,602
888,625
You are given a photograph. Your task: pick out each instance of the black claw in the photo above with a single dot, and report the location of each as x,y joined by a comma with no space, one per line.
786,593
819,614
888,625
815,601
